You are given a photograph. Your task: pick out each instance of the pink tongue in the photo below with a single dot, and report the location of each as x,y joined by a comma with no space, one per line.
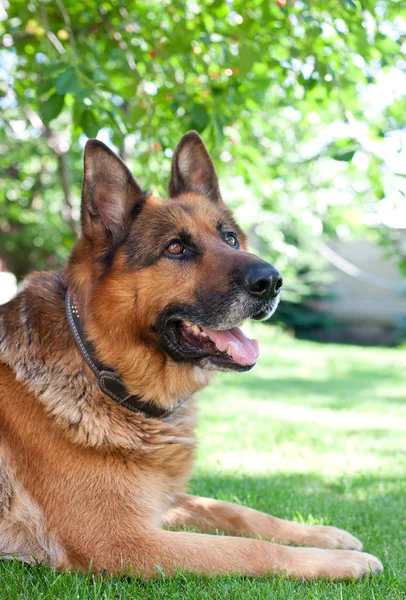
243,350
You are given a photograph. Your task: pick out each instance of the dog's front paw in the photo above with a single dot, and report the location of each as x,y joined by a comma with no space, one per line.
320,536
314,563
350,565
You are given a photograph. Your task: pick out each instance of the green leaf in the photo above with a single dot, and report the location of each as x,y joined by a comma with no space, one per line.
67,81
45,87
77,112
54,68
343,149
199,116
247,58
89,123
83,92
208,22
51,108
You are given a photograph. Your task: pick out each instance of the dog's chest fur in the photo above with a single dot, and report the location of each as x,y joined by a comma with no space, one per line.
70,460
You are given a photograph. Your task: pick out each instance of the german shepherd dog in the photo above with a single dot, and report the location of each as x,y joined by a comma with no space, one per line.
99,363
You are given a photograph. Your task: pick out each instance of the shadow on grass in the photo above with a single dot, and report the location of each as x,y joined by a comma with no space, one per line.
365,501
340,392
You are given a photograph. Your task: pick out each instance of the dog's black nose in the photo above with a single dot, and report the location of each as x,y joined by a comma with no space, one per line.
262,281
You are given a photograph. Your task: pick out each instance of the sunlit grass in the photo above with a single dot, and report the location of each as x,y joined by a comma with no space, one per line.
315,433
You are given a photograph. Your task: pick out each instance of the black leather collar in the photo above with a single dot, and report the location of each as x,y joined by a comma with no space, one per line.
110,381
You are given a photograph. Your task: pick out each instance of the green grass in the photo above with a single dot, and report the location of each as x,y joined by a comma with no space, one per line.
316,433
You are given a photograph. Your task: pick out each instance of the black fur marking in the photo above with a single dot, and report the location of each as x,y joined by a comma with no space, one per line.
187,240
61,287
108,257
187,209
138,206
3,337
25,321
134,257
10,500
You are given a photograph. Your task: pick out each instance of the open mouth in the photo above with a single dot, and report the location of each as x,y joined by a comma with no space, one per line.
228,349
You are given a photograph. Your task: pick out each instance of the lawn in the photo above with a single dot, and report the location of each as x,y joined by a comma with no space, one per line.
316,433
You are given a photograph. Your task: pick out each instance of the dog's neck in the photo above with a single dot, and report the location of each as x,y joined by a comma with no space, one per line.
111,382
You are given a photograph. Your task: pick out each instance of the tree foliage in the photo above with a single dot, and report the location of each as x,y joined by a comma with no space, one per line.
280,91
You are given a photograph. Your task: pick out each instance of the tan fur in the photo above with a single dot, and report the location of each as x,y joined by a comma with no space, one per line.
86,482
23,526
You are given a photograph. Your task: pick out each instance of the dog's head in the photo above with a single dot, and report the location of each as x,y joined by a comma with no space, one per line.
172,276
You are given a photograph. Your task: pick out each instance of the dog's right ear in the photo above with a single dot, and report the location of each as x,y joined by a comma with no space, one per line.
110,195
193,170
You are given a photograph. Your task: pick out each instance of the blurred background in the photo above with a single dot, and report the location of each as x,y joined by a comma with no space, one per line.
301,104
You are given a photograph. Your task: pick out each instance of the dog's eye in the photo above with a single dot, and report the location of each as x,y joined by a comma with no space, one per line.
231,239
175,248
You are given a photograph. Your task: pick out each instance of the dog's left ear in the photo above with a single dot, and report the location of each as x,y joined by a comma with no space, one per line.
193,170
110,195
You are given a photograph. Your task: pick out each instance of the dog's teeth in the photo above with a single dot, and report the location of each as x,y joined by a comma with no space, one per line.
228,351
194,328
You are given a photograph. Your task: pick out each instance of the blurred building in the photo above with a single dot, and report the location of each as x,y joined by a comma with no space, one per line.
367,299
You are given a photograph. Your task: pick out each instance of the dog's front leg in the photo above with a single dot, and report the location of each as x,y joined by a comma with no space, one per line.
209,516
158,550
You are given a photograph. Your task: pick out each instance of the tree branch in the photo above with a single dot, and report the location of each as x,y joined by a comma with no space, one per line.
68,24
51,37
55,143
